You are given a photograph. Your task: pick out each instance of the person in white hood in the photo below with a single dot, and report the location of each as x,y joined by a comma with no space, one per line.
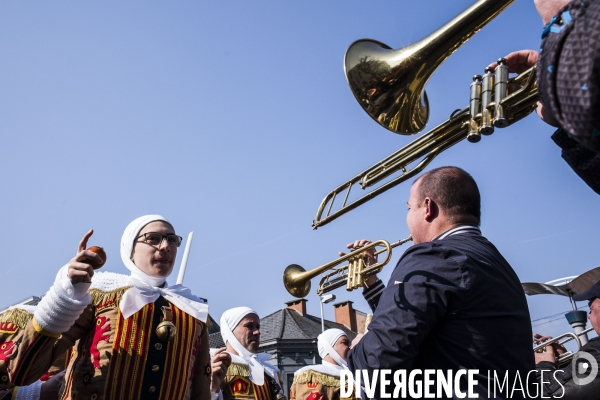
249,376
138,337
322,381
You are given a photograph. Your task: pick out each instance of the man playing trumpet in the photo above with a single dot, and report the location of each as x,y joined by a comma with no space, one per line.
452,302
570,382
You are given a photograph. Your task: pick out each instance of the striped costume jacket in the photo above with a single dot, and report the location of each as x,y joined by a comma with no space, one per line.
118,358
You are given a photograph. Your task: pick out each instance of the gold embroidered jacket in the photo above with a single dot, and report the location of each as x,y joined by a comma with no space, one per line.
237,385
313,385
121,359
11,323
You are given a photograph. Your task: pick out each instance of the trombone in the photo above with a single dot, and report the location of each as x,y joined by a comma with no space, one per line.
389,86
566,357
297,280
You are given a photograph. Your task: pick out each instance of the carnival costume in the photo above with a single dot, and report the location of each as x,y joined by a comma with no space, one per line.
120,354
249,376
12,321
322,381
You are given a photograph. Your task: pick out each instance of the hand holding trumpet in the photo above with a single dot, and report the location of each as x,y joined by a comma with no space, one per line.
369,256
547,353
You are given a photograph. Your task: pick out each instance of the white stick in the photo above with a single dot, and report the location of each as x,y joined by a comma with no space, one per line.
186,254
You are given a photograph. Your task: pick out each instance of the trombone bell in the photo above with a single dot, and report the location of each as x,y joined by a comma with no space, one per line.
389,84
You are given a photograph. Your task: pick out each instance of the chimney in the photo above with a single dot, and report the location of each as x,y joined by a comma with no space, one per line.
298,305
345,314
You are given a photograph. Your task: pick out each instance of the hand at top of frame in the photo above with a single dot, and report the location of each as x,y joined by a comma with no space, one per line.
519,62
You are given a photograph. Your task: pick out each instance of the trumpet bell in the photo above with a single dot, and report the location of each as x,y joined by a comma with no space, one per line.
293,283
388,85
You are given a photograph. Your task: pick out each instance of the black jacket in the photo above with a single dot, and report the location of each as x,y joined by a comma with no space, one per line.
453,304
569,85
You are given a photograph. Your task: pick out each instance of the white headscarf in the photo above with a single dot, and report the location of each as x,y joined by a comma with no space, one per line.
145,288
229,320
325,343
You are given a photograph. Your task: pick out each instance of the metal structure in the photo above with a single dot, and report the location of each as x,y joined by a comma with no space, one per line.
324,300
569,286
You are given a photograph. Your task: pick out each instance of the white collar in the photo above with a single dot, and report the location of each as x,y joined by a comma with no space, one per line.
459,230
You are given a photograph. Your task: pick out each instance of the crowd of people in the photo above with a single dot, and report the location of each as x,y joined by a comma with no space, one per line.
452,303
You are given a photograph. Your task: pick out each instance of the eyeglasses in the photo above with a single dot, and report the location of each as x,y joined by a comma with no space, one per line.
155,239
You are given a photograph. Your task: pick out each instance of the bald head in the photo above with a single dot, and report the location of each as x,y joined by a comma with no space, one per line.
454,191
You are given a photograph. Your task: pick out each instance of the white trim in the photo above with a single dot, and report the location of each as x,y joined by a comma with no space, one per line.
458,230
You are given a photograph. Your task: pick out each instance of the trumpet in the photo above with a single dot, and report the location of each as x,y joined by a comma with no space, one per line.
564,358
389,86
297,280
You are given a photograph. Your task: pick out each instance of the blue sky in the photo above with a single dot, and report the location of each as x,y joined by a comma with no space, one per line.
234,119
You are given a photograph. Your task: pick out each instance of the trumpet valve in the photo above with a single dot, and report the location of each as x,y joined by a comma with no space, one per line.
500,120
500,93
486,99
473,136
486,123
474,108
355,268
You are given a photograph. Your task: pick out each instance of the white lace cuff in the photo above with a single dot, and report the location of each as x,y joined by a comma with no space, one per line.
62,305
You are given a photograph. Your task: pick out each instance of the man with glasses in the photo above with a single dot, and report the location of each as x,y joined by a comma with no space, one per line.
137,337
574,380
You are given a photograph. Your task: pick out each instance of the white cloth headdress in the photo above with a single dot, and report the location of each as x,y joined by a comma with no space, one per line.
229,320
145,288
325,343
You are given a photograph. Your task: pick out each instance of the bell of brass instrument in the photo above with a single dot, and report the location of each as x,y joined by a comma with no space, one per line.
388,85
564,358
297,280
